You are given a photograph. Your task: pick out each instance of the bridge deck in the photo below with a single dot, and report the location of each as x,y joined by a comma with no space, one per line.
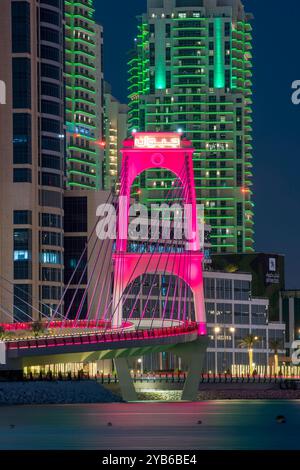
101,337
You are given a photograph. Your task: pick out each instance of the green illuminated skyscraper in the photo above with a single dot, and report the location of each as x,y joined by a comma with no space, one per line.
190,70
84,95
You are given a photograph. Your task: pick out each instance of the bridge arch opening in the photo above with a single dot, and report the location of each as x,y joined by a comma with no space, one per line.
159,296
162,195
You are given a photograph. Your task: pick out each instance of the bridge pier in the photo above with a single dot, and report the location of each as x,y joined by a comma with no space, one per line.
125,380
193,354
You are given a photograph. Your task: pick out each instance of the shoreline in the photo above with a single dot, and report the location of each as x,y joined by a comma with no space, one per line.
92,392
55,393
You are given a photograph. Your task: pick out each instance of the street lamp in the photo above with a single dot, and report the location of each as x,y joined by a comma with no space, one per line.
216,330
140,362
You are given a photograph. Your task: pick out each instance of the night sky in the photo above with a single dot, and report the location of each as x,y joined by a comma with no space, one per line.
275,120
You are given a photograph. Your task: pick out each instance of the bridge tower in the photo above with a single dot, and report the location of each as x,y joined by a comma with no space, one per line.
168,151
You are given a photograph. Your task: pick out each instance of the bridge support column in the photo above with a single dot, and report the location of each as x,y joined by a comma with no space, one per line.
125,380
193,354
191,386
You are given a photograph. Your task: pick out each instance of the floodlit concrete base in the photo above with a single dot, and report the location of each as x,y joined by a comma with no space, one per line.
193,354
125,380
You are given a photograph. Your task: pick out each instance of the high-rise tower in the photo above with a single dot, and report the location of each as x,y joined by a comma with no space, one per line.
84,95
190,71
32,158
115,131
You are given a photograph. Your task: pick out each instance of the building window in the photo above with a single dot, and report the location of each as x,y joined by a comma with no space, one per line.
224,314
51,143
21,67
50,107
209,288
22,239
22,217
50,89
51,125
51,161
21,255
241,314
75,214
242,290
22,138
20,17
74,248
51,238
51,275
51,292
51,257
224,289
239,146
227,27
53,3
50,35
51,220
168,31
240,241
168,53
50,71
22,270
239,175
239,213
49,16
22,175
258,315
50,53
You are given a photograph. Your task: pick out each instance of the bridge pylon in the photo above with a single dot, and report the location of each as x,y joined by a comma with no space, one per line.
167,151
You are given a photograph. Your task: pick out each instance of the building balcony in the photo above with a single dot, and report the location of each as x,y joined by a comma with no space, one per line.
80,27
78,172
79,49
84,87
86,3
81,148
74,159
84,41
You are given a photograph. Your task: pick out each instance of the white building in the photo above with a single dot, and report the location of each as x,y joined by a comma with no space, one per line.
232,315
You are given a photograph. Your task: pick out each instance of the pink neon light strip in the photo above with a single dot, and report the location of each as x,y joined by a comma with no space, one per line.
188,328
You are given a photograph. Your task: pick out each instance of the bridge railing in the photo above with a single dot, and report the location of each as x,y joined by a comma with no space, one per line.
86,339
79,324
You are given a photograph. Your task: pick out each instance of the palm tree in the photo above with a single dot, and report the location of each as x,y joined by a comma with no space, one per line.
275,345
248,343
37,327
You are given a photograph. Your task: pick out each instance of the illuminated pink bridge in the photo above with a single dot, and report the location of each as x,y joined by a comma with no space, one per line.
109,330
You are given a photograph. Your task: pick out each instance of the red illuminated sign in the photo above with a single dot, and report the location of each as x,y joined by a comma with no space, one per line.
157,140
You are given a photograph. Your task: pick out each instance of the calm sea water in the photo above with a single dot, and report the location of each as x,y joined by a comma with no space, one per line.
224,425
